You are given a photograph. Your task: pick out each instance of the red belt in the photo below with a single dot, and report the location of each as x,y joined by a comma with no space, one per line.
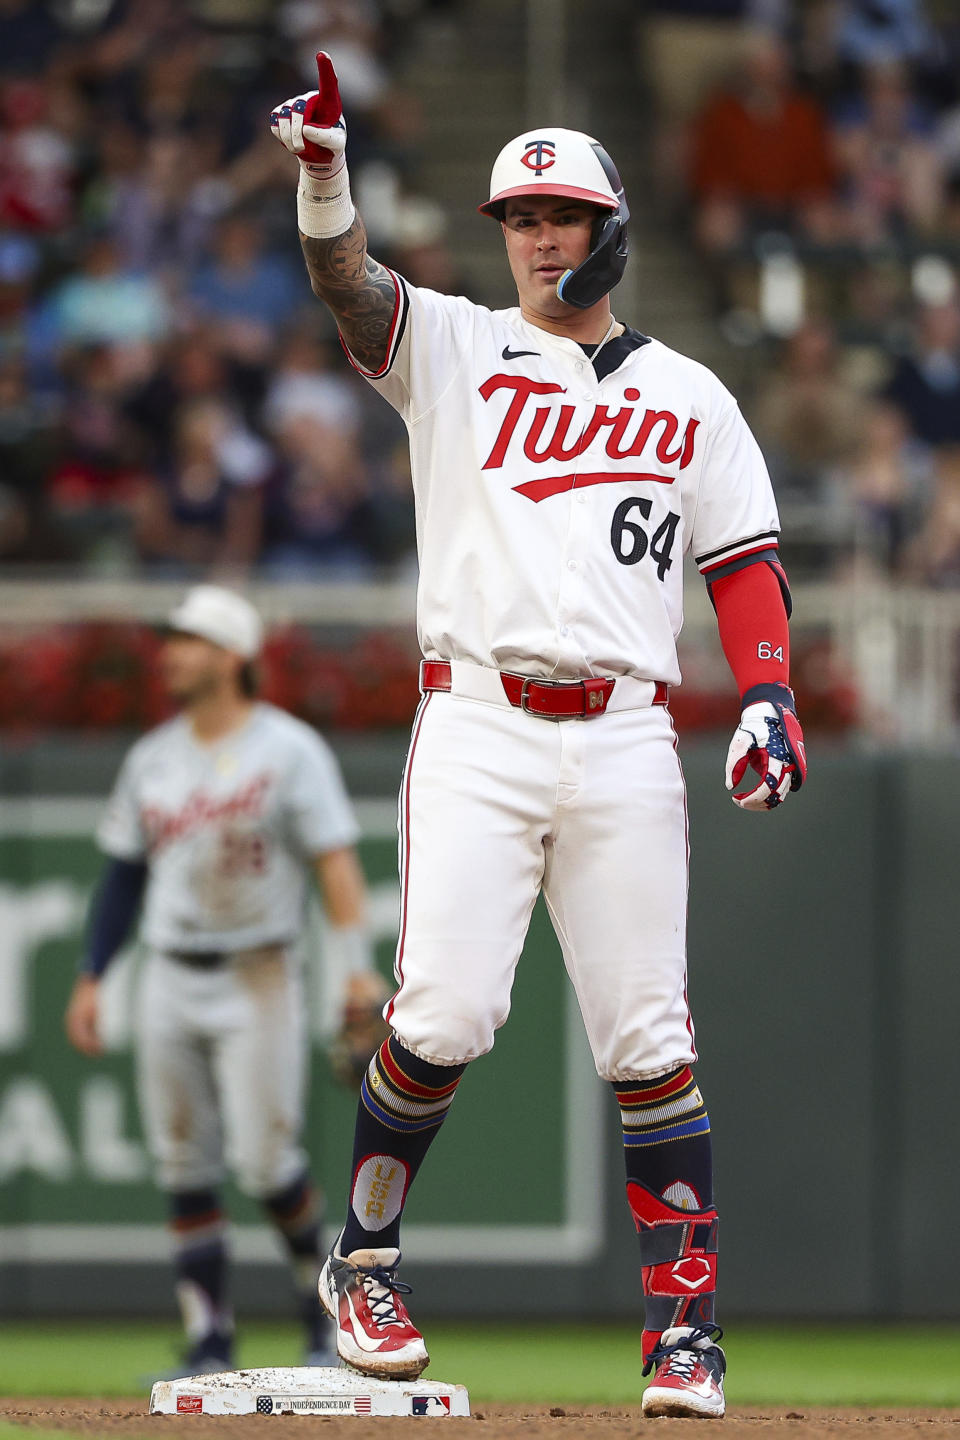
550,699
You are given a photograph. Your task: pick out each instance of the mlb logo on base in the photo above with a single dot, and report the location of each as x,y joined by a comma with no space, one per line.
430,1405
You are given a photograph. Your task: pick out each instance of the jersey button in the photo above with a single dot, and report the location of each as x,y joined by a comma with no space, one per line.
571,564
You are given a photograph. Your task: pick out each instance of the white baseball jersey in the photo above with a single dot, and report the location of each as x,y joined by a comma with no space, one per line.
227,829
553,507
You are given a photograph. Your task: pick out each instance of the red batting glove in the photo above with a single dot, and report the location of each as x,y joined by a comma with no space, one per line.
311,126
769,741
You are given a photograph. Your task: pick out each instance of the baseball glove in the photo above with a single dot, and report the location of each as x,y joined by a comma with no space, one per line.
362,1028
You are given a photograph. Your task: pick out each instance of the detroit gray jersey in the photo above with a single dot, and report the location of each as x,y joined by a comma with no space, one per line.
226,829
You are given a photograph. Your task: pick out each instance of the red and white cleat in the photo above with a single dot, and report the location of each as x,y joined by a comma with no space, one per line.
688,1379
375,1335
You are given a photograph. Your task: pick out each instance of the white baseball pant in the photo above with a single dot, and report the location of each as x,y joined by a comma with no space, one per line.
496,804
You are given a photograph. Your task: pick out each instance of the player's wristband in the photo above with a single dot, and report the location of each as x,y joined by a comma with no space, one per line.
777,693
324,207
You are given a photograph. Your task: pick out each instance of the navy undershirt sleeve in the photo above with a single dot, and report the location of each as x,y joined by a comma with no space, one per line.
113,910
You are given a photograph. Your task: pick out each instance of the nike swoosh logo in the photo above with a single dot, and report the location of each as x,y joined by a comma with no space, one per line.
509,354
361,1337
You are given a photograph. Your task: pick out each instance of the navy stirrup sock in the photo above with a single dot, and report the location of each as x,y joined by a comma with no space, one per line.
403,1103
199,1230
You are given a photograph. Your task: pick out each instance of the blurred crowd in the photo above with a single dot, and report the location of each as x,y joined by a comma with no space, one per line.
172,398
173,401
811,149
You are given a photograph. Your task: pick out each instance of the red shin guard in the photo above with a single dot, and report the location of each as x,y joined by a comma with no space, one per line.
678,1252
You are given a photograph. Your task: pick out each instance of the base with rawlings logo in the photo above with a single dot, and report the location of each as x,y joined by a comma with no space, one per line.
307,1391
563,463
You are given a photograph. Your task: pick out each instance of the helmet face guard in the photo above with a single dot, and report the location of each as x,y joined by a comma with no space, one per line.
604,266
569,163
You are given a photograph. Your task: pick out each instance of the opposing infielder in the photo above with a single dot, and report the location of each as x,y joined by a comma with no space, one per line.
216,820
563,464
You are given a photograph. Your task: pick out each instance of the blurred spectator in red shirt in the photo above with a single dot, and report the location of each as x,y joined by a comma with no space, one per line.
37,157
92,481
761,156
892,172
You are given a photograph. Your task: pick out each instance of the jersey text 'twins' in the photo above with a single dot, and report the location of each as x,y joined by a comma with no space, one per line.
624,441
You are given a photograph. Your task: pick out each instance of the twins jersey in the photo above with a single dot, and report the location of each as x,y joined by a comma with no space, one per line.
228,829
554,507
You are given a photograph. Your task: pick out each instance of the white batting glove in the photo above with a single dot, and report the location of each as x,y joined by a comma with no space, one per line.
769,741
311,126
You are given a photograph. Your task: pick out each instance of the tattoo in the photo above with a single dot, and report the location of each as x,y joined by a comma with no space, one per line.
358,290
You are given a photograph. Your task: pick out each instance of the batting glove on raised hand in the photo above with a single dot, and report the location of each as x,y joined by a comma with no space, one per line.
311,126
768,740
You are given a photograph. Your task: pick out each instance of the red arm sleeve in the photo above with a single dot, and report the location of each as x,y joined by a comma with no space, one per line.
752,620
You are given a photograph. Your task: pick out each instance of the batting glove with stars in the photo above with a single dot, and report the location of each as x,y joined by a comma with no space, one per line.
769,741
312,127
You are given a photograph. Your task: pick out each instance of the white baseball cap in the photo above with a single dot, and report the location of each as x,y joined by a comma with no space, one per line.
550,161
221,616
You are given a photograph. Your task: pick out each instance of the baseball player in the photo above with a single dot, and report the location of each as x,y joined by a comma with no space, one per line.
563,464
216,820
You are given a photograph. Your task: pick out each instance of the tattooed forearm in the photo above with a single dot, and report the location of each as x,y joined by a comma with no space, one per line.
357,289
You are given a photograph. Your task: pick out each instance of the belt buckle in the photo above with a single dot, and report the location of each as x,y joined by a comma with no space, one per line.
538,714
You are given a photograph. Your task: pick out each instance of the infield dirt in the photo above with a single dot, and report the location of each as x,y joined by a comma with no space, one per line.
129,1420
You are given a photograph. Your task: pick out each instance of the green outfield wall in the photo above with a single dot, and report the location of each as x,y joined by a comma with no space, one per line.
826,991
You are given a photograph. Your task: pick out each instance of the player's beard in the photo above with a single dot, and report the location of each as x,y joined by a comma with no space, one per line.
190,691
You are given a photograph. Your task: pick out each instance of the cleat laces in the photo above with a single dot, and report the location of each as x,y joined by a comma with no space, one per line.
683,1364
682,1357
380,1286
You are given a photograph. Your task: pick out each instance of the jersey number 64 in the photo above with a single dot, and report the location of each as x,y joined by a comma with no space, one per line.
630,541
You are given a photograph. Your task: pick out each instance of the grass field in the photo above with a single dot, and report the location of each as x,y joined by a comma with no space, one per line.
770,1364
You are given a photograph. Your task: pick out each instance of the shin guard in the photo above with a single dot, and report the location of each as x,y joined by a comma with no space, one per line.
678,1252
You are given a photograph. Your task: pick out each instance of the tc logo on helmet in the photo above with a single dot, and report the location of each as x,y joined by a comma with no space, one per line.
539,155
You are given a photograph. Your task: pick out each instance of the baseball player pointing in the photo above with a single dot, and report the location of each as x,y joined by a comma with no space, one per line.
216,820
563,463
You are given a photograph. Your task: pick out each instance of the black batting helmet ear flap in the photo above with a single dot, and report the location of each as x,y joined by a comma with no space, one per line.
604,266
